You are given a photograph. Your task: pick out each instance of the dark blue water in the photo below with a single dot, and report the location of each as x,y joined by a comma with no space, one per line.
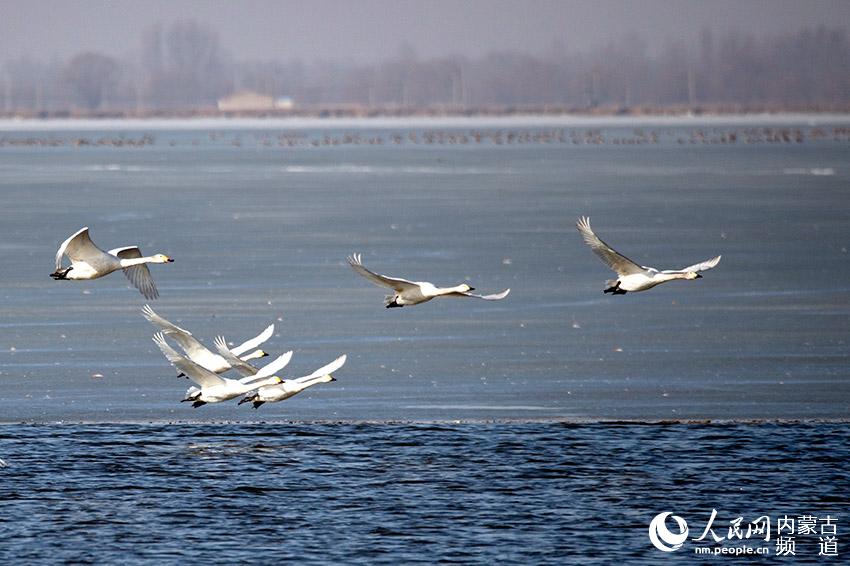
508,493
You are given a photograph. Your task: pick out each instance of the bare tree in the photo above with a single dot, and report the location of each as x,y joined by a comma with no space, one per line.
90,77
184,65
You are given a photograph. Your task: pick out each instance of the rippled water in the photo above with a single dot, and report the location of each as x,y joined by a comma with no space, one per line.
542,493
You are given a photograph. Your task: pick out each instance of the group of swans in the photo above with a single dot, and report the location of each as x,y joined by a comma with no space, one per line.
261,385
630,276
90,262
204,367
199,353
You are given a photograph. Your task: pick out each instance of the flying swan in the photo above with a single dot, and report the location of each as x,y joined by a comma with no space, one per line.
415,292
290,387
631,276
267,370
90,262
212,388
199,354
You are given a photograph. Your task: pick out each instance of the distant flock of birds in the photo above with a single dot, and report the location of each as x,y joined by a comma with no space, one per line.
261,385
574,136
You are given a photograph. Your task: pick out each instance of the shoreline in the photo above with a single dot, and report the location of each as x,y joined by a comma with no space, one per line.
355,110
298,123
570,421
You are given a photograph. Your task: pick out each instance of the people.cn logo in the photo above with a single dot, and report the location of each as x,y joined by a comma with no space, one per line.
661,536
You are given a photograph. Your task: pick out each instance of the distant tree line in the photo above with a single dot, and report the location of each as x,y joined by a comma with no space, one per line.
182,66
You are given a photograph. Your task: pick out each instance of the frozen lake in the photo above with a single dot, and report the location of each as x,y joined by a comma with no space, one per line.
261,218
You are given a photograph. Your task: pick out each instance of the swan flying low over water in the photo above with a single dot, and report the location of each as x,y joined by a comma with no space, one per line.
212,388
290,387
416,292
267,370
90,262
199,354
630,275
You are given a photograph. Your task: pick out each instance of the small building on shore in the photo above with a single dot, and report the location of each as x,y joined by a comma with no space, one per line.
246,101
284,103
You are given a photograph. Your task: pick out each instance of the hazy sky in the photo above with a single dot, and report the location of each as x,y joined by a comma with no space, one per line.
369,30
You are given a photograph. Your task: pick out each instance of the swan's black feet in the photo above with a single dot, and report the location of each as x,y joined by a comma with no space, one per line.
394,305
257,403
197,404
615,290
61,273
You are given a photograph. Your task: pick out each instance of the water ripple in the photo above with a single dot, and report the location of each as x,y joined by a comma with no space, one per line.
472,493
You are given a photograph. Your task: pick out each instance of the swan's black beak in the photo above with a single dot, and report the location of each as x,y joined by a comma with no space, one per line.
170,260
333,378
472,288
699,276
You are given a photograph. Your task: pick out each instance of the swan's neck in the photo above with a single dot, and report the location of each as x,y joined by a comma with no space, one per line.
136,261
661,277
449,290
250,386
308,382
252,356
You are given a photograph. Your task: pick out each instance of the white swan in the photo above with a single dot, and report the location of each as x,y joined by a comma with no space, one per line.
90,262
212,387
199,354
631,276
267,370
290,387
415,292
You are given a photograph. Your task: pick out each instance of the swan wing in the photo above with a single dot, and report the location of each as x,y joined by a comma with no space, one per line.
396,283
79,247
253,342
619,263
704,266
241,366
269,369
196,351
494,297
203,377
126,252
139,275
165,325
64,245
324,370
